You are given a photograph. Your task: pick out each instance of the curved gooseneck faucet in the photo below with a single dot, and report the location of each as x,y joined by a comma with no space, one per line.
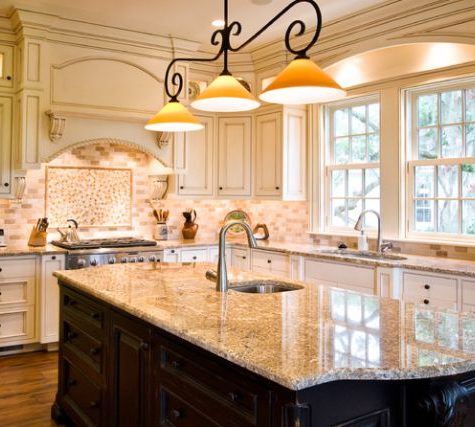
221,276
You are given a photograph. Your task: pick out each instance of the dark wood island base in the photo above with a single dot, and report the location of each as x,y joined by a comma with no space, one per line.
117,370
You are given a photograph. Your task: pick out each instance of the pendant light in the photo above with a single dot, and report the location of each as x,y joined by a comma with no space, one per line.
301,82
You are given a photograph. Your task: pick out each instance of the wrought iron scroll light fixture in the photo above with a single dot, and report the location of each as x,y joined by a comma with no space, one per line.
301,82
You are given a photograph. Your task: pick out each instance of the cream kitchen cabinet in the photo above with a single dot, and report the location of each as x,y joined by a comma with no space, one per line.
468,295
6,144
432,290
281,154
18,300
49,298
196,160
270,263
194,255
6,66
241,258
234,156
347,276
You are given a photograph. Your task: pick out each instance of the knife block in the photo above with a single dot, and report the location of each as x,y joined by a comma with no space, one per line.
37,238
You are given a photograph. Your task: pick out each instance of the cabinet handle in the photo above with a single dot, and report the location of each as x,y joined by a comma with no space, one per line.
172,251
0,293
269,261
243,257
94,351
426,301
177,413
93,404
6,184
426,286
1,269
9,78
234,396
181,187
53,257
277,188
220,188
194,257
144,346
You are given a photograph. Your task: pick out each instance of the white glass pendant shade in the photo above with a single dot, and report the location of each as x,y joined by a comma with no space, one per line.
173,117
302,82
225,94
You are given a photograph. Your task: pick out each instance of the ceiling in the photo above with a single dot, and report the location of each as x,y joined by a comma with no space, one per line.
189,19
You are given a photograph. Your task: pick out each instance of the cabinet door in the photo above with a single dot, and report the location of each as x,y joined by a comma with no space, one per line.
240,259
5,144
271,263
194,255
268,163
6,66
234,168
198,146
131,373
468,295
49,308
295,154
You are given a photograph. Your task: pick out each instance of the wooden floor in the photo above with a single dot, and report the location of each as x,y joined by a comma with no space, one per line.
27,389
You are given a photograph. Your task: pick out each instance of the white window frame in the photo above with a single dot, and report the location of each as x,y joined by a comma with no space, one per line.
411,162
328,165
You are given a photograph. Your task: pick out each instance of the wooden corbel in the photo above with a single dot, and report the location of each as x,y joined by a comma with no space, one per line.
56,126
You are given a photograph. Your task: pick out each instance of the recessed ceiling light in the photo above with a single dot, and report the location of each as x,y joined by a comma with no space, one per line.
219,23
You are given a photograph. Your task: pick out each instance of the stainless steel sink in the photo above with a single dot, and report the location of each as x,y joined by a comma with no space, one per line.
363,254
264,287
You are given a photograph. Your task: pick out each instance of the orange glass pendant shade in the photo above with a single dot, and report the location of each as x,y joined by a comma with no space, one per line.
173,117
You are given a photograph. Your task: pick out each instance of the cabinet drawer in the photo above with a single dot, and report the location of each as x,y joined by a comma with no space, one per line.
86,347
88,314
271,261
194,255
17,268
171,255
21,291
177,412
16,326
217,386
432,287
361,278
81,396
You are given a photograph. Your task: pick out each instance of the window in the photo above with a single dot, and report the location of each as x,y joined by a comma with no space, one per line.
352,167
442,163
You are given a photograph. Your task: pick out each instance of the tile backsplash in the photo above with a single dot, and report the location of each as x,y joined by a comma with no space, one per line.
287,221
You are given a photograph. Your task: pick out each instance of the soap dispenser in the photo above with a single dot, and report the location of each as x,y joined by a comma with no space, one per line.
362,241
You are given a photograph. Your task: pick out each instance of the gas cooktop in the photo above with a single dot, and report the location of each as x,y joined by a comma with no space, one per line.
122,242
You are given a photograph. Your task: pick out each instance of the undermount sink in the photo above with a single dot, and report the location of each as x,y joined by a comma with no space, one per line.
264,287
363,254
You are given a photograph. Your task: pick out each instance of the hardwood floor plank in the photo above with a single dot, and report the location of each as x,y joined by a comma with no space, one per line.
27,389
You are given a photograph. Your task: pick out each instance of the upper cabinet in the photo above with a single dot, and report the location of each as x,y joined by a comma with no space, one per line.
6,66
234,155
281,154
6,106
196,154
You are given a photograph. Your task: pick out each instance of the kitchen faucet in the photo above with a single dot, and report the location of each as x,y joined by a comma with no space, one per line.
380,247
221,276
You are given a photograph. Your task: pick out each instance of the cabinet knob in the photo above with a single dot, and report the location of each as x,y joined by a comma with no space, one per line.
194,257
426,301
1,269
243,257
220,188
6,184
0,293
53,257
145,345
9,78
172,251
277,188
234,396
426,286
269,261
94,351
177,413
181,187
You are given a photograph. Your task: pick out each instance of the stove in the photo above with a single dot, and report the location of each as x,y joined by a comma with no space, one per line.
90,253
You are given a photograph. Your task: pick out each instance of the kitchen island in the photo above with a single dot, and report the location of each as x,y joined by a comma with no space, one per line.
155,344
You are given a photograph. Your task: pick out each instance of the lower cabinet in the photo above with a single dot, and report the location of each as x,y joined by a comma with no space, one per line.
270,263
241,259
360,279
468,295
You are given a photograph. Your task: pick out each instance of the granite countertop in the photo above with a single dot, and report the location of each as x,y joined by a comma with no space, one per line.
297,339
22,250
